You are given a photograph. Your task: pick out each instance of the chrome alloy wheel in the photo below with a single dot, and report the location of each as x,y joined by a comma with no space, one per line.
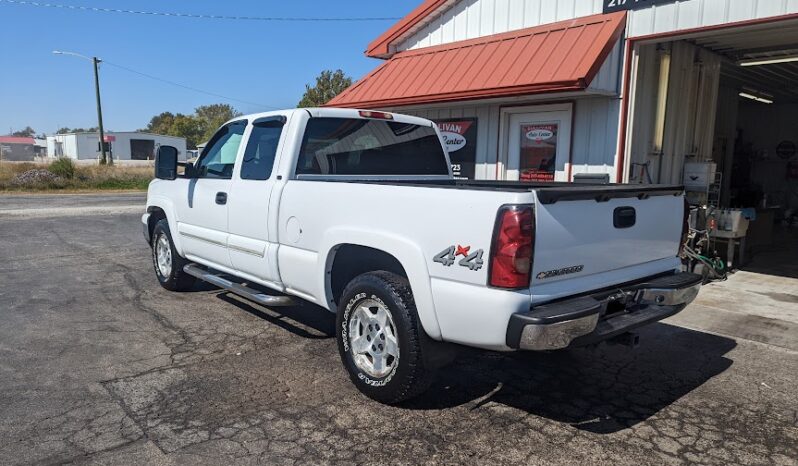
163,255
372,339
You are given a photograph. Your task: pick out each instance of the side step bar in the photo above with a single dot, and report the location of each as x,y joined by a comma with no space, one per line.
238,289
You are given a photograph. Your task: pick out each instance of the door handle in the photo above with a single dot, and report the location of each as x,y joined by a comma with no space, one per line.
221,198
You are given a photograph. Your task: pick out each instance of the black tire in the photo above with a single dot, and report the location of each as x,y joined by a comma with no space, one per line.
408,376
176,279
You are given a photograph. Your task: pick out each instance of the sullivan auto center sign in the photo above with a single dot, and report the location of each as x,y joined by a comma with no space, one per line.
460,137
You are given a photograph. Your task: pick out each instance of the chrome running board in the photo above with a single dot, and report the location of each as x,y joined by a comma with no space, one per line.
238,289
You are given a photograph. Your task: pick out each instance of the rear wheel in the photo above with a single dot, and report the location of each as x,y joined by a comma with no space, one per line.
379,338
167,262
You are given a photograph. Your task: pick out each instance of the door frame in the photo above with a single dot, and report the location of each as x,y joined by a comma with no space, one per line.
503,159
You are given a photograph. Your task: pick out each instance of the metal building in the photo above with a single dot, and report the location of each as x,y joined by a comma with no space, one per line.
19,149
122,145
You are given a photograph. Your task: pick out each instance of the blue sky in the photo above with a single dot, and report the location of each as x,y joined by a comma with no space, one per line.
267,63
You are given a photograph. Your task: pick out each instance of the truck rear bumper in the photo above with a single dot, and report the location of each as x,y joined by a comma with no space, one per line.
601,315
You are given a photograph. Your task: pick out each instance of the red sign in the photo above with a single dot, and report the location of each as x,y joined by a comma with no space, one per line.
109,138
538,151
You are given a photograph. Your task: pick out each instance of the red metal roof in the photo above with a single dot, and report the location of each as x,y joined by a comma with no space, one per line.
563,56
16,140
381,46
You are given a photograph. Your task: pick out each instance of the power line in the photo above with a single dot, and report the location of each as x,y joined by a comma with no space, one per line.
156,78
193,15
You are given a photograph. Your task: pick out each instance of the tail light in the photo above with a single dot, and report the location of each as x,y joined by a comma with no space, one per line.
512,249
685,226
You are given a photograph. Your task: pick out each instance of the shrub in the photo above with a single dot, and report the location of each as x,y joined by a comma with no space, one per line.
37,178
63,167
31,177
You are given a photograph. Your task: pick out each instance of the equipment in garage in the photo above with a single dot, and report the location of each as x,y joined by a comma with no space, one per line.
716,110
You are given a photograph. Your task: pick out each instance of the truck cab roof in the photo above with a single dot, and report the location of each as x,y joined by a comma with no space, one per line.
332,112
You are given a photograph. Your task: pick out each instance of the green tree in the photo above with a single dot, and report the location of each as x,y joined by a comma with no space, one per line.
161,123
328,85
28,132
211,117
68,130
189,127
196,128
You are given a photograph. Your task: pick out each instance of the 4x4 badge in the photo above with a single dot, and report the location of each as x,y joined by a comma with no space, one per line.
472,260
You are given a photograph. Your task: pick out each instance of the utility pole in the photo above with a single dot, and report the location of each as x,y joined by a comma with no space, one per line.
95,61
106,158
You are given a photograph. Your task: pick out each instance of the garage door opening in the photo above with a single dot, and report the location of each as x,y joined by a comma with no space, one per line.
717,111
142,149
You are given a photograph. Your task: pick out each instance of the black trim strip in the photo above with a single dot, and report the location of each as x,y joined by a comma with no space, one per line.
269,119
605,193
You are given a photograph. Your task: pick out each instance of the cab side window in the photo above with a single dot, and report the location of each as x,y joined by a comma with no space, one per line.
261,150
219,157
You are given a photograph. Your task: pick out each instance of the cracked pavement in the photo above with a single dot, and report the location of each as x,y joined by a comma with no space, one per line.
100,365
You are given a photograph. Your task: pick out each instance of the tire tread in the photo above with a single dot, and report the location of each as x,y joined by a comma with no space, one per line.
418,377
180,280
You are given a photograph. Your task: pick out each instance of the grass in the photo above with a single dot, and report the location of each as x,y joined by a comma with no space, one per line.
84,178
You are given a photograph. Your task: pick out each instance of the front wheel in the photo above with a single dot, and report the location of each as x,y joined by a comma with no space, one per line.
379,338
167,262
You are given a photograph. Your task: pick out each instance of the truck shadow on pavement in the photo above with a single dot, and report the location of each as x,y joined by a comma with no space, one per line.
602,390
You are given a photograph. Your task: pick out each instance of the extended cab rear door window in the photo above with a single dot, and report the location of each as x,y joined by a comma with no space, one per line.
262,149
352,146
219,156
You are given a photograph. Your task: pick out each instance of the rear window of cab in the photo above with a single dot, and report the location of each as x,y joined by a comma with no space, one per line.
353,146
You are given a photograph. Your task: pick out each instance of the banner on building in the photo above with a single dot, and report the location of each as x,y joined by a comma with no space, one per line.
618,5
460,137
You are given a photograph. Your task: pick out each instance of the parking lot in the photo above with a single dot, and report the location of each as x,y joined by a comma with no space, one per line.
99,364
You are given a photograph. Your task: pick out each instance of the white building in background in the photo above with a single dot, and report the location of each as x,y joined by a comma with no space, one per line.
122,145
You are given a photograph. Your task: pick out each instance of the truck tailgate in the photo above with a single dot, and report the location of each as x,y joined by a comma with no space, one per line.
599,236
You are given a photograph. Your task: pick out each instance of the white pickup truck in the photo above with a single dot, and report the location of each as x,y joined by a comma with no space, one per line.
358,212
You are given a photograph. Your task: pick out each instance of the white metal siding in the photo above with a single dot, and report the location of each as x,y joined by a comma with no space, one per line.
84,146
689,14
468,19
607,80
87,145
595,132
595,135
69,147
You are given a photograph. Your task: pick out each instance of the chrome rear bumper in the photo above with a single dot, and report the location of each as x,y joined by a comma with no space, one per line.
603,314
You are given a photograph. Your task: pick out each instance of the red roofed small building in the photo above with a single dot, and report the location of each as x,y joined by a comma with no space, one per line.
19,149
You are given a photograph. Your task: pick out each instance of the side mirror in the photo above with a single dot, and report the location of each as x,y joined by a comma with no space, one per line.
166,163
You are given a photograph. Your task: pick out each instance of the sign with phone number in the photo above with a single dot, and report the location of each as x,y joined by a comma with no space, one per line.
618,5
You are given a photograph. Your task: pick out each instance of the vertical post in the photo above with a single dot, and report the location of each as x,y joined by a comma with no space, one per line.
104,158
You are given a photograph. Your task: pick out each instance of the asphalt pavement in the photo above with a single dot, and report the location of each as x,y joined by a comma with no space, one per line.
100,365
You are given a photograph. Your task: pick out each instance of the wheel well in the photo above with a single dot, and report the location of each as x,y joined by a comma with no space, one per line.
156,214
351,260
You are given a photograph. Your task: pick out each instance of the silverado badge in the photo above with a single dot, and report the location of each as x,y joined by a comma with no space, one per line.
558,272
